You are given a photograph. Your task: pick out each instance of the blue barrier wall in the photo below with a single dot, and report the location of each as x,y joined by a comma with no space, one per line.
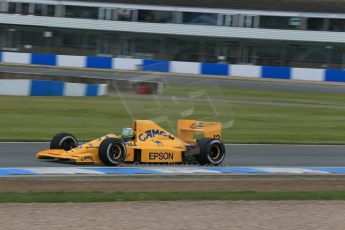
275,72
43,59
211,69
335,75
46,88
92,90
215,69
99,62
156,65
24,87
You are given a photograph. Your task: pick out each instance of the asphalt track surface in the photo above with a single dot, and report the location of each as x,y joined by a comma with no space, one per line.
238,155
273,85
23,154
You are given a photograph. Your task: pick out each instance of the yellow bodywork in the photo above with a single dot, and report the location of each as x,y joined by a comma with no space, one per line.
151,144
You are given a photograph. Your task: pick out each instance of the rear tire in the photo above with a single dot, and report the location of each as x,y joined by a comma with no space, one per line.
212,151
112,151
65,141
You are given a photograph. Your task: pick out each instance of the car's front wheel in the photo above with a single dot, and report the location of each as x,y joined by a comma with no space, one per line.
64,141
112,151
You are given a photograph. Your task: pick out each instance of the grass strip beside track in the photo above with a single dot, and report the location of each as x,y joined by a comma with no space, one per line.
80,197
258,116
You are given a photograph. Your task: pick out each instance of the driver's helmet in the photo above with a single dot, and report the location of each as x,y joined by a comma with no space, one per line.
127,133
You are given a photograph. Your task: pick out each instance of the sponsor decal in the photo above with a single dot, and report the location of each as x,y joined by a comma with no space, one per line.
216,137
130,143
87,158
79,147
161,156
153,133
198,125
159,143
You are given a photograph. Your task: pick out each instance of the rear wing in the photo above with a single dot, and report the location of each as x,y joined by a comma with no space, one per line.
187,128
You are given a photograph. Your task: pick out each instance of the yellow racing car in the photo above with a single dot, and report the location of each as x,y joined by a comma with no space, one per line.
145,142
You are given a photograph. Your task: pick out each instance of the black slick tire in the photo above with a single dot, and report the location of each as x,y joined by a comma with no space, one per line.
64,141
112,151
212,151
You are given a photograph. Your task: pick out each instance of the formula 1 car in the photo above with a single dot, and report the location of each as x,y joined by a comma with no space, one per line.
146,142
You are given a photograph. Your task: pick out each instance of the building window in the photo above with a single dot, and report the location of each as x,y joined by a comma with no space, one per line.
274,22
228,51
147,46
126,15
104,45
268,54
307,56
247,54
38,10
315,24
72,40
199,18
50,10
248,21
154,16
12,6
209,52
127,46
227,20
25,8
32,38
337,25
189,50
11,39
107,14
81,12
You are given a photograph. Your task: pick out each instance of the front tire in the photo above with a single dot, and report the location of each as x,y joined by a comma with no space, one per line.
65,141
212,151
112,151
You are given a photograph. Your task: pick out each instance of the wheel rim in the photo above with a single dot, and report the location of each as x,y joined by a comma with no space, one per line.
114,152
68,144
216,153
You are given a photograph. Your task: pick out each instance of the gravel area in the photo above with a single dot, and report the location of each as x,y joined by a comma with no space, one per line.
173,183
176,215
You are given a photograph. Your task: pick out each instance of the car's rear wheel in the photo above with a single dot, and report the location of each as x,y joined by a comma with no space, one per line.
64,141
112,151
212,151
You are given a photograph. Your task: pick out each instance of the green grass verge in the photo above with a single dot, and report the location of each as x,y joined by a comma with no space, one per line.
77,197
255,116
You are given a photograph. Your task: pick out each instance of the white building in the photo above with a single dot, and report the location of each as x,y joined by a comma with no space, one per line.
266,32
